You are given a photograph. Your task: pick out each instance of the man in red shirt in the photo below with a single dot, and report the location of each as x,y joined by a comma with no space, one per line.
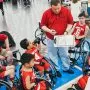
5,53
57,21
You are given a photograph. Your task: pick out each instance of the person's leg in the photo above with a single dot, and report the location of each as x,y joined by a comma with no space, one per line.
10,70
9,56
52,52
63,53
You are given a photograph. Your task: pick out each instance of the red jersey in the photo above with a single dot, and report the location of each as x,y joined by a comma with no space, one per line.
40,86
35,52
58,22
3,37
38,58
79,30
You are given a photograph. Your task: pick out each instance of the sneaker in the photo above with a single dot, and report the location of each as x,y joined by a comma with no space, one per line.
69,71
58,74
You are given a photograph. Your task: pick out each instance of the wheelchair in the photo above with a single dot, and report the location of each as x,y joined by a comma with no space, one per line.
40,34
79,53
18,80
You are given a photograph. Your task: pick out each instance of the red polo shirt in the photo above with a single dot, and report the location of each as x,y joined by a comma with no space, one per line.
57,22
3,37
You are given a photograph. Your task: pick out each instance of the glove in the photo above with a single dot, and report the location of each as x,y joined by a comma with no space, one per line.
42,63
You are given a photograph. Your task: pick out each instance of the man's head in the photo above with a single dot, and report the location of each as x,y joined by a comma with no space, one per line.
82,17
27,60
56,6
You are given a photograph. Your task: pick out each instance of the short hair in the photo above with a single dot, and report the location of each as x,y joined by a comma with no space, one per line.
24,43
55,2
82,14
26,58
74,1
1,43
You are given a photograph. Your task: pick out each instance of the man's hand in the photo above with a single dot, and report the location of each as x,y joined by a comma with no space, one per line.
65,33
53,32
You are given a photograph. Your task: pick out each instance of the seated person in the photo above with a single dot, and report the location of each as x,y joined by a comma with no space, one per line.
28,76
40,63
80,28
12,43
5,53
7,71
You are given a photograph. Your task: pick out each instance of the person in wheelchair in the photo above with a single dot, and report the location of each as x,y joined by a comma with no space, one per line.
7,71
28,77
5,54
31,47
80,29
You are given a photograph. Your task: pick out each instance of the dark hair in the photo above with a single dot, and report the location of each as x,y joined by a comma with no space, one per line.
10,38
55,2
26,58
82,14
74,1
1,43
24,43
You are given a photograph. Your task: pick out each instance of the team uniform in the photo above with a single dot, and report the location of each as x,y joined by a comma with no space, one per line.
39,58
40,86
79,31
2,71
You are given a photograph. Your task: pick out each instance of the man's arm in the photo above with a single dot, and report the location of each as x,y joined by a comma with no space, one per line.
68,29
72,29
44,25
69,22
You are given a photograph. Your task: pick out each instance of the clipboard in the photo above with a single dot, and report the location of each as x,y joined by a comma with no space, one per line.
64,41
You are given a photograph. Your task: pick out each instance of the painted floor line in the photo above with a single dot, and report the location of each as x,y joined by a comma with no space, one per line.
69,84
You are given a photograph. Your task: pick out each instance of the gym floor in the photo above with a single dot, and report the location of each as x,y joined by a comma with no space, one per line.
22,22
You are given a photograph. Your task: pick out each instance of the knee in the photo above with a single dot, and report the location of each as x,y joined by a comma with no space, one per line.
12,71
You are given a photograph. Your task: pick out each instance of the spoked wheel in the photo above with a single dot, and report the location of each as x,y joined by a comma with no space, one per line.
85,47
75,55
48,84
4,85
39,33
50,76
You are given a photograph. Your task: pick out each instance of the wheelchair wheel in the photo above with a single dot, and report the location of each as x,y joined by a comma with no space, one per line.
85,47
40,34
48,84
4,85
75,55
51,73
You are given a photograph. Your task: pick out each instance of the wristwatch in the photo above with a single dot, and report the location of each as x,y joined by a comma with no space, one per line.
66,32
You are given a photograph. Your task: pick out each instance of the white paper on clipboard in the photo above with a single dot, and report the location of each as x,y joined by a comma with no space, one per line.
64,41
